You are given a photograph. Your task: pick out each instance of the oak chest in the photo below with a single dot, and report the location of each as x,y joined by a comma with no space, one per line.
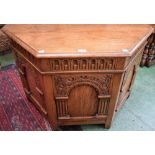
78,74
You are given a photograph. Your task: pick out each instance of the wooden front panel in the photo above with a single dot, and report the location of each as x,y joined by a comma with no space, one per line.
83,96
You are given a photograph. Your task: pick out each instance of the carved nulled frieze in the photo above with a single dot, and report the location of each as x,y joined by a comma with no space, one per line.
126,73
65,83
83,64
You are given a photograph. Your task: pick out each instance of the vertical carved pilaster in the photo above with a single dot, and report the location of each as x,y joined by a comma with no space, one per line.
103,106
62,108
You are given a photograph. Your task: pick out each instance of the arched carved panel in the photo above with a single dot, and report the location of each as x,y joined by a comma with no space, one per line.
69,88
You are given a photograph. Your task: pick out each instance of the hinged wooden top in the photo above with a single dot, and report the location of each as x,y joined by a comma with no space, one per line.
79,40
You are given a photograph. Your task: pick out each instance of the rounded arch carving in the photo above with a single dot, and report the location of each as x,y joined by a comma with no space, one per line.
65,83
83,83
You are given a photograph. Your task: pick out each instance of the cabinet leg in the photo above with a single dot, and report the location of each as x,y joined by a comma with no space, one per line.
107,125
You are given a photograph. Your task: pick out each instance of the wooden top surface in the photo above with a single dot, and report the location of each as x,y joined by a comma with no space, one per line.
79,40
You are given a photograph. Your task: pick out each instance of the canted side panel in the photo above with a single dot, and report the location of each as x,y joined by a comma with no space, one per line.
124,92
128,80
82,95
32,82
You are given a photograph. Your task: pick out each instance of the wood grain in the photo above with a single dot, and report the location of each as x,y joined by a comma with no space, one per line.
79,40
83,101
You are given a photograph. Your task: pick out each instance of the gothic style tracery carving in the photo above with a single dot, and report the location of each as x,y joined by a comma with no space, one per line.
83,64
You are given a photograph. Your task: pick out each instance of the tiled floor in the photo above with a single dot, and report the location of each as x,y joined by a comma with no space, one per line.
138,113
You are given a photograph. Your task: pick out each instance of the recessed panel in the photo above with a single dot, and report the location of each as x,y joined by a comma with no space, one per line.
82,101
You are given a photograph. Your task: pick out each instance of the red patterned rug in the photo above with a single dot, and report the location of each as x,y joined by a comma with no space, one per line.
16,112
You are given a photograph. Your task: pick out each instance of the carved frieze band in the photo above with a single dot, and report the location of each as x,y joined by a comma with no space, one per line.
83,64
